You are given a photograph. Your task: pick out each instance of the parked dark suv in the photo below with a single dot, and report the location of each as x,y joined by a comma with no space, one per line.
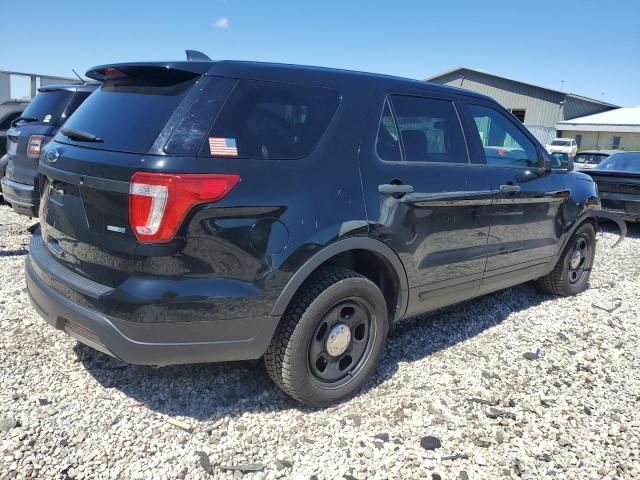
10,110
33,129
210,211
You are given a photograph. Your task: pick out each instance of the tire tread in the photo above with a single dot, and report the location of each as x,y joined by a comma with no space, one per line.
278,357
555,281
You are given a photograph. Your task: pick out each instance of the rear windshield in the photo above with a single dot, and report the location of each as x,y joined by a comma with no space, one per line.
591,158
47,106
267,120
560,143
128,113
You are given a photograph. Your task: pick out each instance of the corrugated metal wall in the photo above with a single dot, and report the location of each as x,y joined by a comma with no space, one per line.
543,107
576,107
604,140
544,134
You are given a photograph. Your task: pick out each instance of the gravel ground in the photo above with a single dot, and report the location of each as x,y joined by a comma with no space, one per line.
516,384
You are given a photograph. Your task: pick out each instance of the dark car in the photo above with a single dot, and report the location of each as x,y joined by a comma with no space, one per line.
211,211
589,159
618,181
36,126
9,111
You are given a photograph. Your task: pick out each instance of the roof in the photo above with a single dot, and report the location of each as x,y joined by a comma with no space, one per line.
483,72
598,152
71,87
623,120
271,71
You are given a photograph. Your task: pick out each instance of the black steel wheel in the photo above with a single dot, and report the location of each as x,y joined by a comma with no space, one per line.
330,339
342,342
571,274
579,260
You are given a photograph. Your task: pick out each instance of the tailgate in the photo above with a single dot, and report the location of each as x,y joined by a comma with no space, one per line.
144,119
84,222
23,168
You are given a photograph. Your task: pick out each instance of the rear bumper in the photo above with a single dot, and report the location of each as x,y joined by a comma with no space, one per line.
148,343
24,199
626,206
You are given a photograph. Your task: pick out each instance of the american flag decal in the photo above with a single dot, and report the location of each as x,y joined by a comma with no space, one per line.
222,147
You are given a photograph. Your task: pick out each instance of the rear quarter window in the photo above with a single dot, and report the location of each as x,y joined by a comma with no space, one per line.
268,120
74,103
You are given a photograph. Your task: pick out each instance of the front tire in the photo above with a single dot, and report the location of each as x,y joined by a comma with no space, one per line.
571,274
330,339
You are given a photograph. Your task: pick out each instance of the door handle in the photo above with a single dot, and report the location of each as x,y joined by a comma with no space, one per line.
509,188
392,189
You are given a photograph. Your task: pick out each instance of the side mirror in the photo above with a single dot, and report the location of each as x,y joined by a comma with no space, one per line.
561,161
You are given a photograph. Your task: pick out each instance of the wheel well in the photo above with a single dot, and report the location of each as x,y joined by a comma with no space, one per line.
376,268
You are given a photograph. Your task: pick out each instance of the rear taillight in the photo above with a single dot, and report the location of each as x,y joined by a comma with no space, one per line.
36,142
159,202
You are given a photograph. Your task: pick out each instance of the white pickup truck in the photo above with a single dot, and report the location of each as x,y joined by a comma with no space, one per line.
563,145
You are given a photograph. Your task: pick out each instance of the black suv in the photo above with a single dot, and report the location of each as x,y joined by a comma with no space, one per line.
210,211
9,112
36,126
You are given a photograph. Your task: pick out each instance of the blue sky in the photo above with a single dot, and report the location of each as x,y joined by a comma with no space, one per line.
592,46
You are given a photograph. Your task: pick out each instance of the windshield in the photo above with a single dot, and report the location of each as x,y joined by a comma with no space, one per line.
622,162
560,143
48,106
128,114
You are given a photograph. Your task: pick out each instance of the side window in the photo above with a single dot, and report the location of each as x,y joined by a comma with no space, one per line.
504,144
73,105
615,144
430,130
387,142
269,120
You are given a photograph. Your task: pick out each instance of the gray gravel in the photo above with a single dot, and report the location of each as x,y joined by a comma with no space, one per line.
517,384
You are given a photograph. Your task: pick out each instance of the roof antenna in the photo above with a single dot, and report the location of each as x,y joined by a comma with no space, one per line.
84,82
196,56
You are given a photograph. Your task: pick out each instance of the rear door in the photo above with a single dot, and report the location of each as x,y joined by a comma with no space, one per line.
424,197
525,225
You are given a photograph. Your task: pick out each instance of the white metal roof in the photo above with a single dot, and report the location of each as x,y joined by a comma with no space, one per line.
623,120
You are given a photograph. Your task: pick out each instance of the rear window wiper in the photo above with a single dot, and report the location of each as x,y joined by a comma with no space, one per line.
80,135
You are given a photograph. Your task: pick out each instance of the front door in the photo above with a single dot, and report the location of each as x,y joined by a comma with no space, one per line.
425,199
524,231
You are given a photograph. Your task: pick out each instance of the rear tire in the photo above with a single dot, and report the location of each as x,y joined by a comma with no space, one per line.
571,274
330,339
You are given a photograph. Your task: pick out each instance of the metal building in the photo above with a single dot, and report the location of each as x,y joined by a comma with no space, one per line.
613,130
540,108
35,81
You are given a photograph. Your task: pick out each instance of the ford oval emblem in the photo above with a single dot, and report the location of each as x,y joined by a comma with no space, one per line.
52,155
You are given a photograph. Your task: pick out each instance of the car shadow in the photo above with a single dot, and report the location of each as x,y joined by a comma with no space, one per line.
216,390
